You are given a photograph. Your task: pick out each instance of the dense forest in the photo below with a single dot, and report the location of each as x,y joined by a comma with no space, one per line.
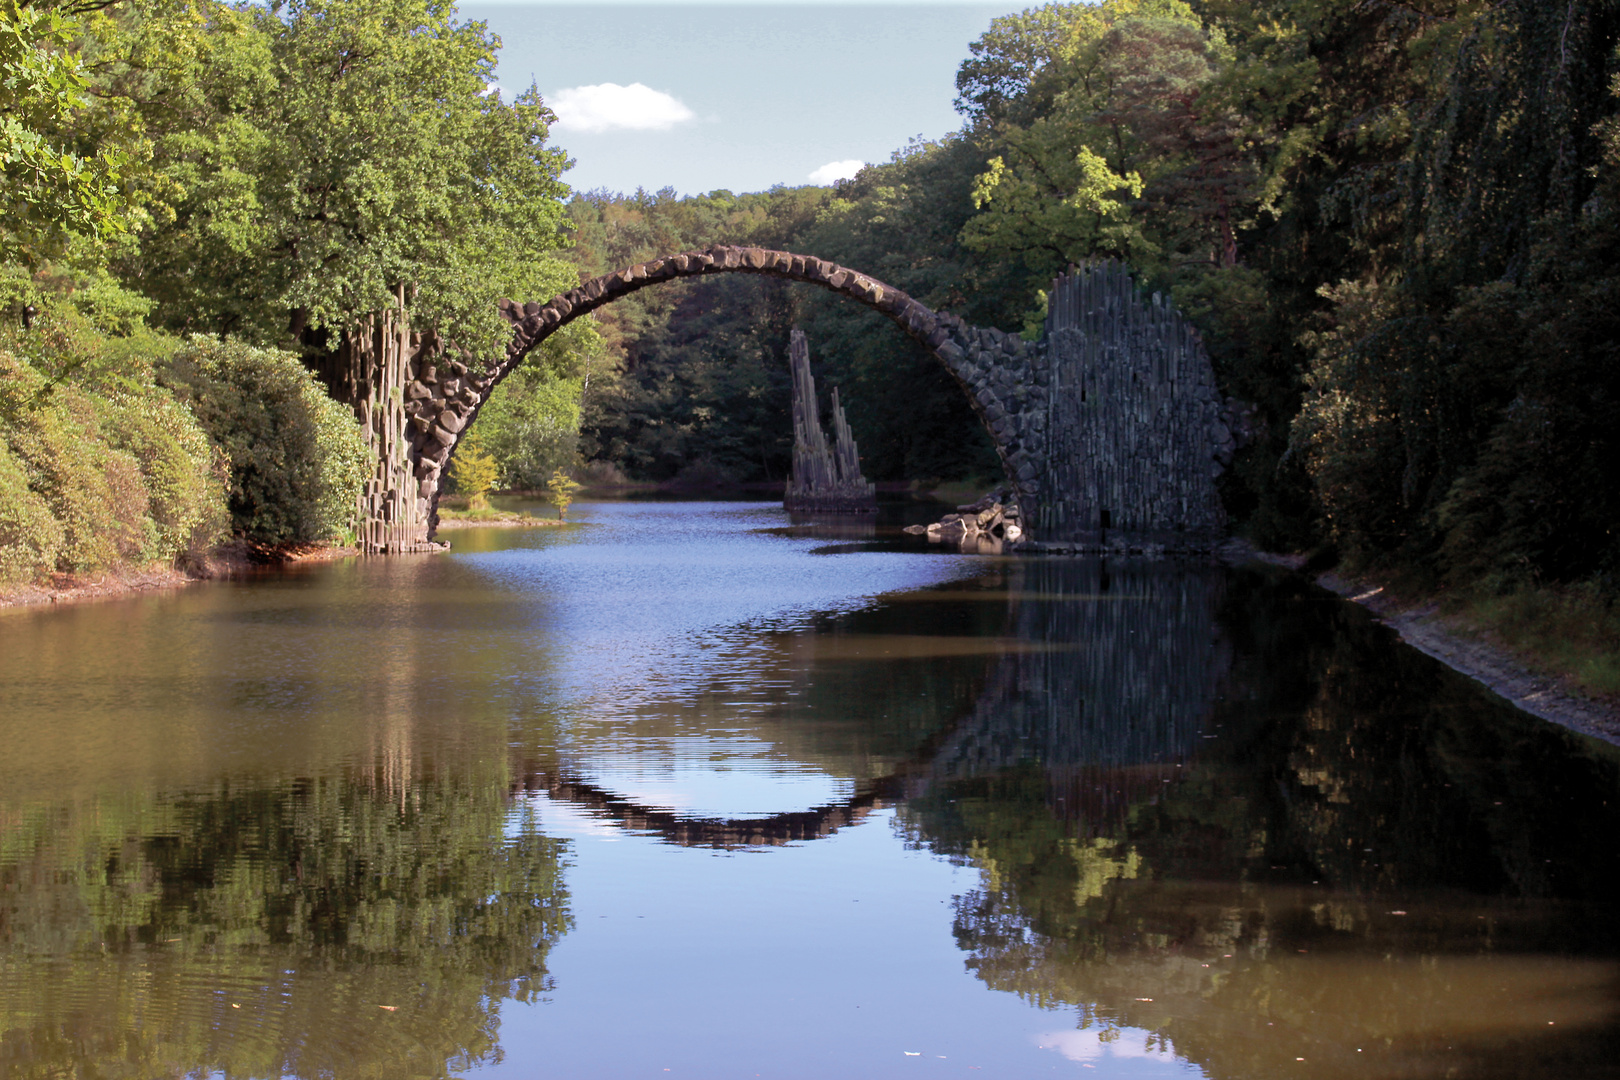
1395,224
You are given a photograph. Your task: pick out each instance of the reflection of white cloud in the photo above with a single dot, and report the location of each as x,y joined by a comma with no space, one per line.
609,106
836,170
1088,1045
731,783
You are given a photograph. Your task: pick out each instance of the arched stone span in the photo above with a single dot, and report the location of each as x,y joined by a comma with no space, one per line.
444,398
792,827
1110,427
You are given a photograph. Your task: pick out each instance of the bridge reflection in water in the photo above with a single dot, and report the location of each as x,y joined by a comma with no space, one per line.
1214,806
1101,674
1223,811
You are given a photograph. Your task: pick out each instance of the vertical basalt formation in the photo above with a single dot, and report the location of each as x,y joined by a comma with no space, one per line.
1135,430
378,360
824,479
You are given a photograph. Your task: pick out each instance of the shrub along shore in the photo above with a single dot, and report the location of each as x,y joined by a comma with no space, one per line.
1397,229
128,459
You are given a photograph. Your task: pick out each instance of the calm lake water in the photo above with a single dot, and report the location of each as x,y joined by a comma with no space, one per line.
680,791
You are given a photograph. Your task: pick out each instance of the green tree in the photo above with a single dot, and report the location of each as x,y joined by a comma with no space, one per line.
699,374
474,471
1459,421
561,488
1115,149
51,189
901,220
531,423
335,150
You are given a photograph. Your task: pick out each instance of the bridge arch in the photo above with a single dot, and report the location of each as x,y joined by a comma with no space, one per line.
444,398
1110,428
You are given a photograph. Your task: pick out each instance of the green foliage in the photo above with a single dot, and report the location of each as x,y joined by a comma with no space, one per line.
531,422
700,371
322,154
50,189
474,471
901,221
561,488
297,458
94,474
1125,160
703,376
531,426
1460,426
30,535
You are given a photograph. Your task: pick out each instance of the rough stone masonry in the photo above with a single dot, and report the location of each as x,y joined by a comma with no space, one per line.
1109,427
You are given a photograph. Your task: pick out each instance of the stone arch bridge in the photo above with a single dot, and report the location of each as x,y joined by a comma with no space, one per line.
1109,422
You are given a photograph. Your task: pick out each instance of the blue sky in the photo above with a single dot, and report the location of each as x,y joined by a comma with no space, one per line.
739,95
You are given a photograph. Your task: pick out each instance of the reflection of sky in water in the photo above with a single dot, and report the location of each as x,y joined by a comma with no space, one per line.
1121,1051
828,958
658,600
652,605
739,787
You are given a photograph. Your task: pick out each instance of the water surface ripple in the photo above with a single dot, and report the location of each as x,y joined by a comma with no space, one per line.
683,790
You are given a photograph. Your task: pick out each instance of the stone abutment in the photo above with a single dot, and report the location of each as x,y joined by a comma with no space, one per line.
418,397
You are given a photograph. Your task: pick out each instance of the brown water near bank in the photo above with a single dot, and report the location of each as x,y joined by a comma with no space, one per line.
529,809
236,559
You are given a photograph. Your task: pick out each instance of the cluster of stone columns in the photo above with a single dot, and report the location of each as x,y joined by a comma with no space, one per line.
1020,390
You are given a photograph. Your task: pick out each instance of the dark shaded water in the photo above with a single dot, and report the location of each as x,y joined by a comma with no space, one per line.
678,792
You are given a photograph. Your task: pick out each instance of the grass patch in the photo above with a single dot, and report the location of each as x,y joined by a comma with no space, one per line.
486,513
1572,631
456,508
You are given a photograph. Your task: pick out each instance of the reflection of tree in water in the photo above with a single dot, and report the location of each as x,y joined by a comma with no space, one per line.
1373,867
326,927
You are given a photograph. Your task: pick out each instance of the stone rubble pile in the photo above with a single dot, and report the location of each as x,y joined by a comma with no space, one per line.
982,527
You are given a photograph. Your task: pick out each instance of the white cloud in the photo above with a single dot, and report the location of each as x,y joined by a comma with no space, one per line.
609,106
836,170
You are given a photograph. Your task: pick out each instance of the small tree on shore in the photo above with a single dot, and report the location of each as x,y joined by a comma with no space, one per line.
562,488
474,473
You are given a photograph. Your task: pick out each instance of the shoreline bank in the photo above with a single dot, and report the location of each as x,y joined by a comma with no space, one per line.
236,560
1421,624
505,521
1543,694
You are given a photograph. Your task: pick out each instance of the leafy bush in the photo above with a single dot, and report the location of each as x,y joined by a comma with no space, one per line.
184,475
93,474
30,536
531,427
297,458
